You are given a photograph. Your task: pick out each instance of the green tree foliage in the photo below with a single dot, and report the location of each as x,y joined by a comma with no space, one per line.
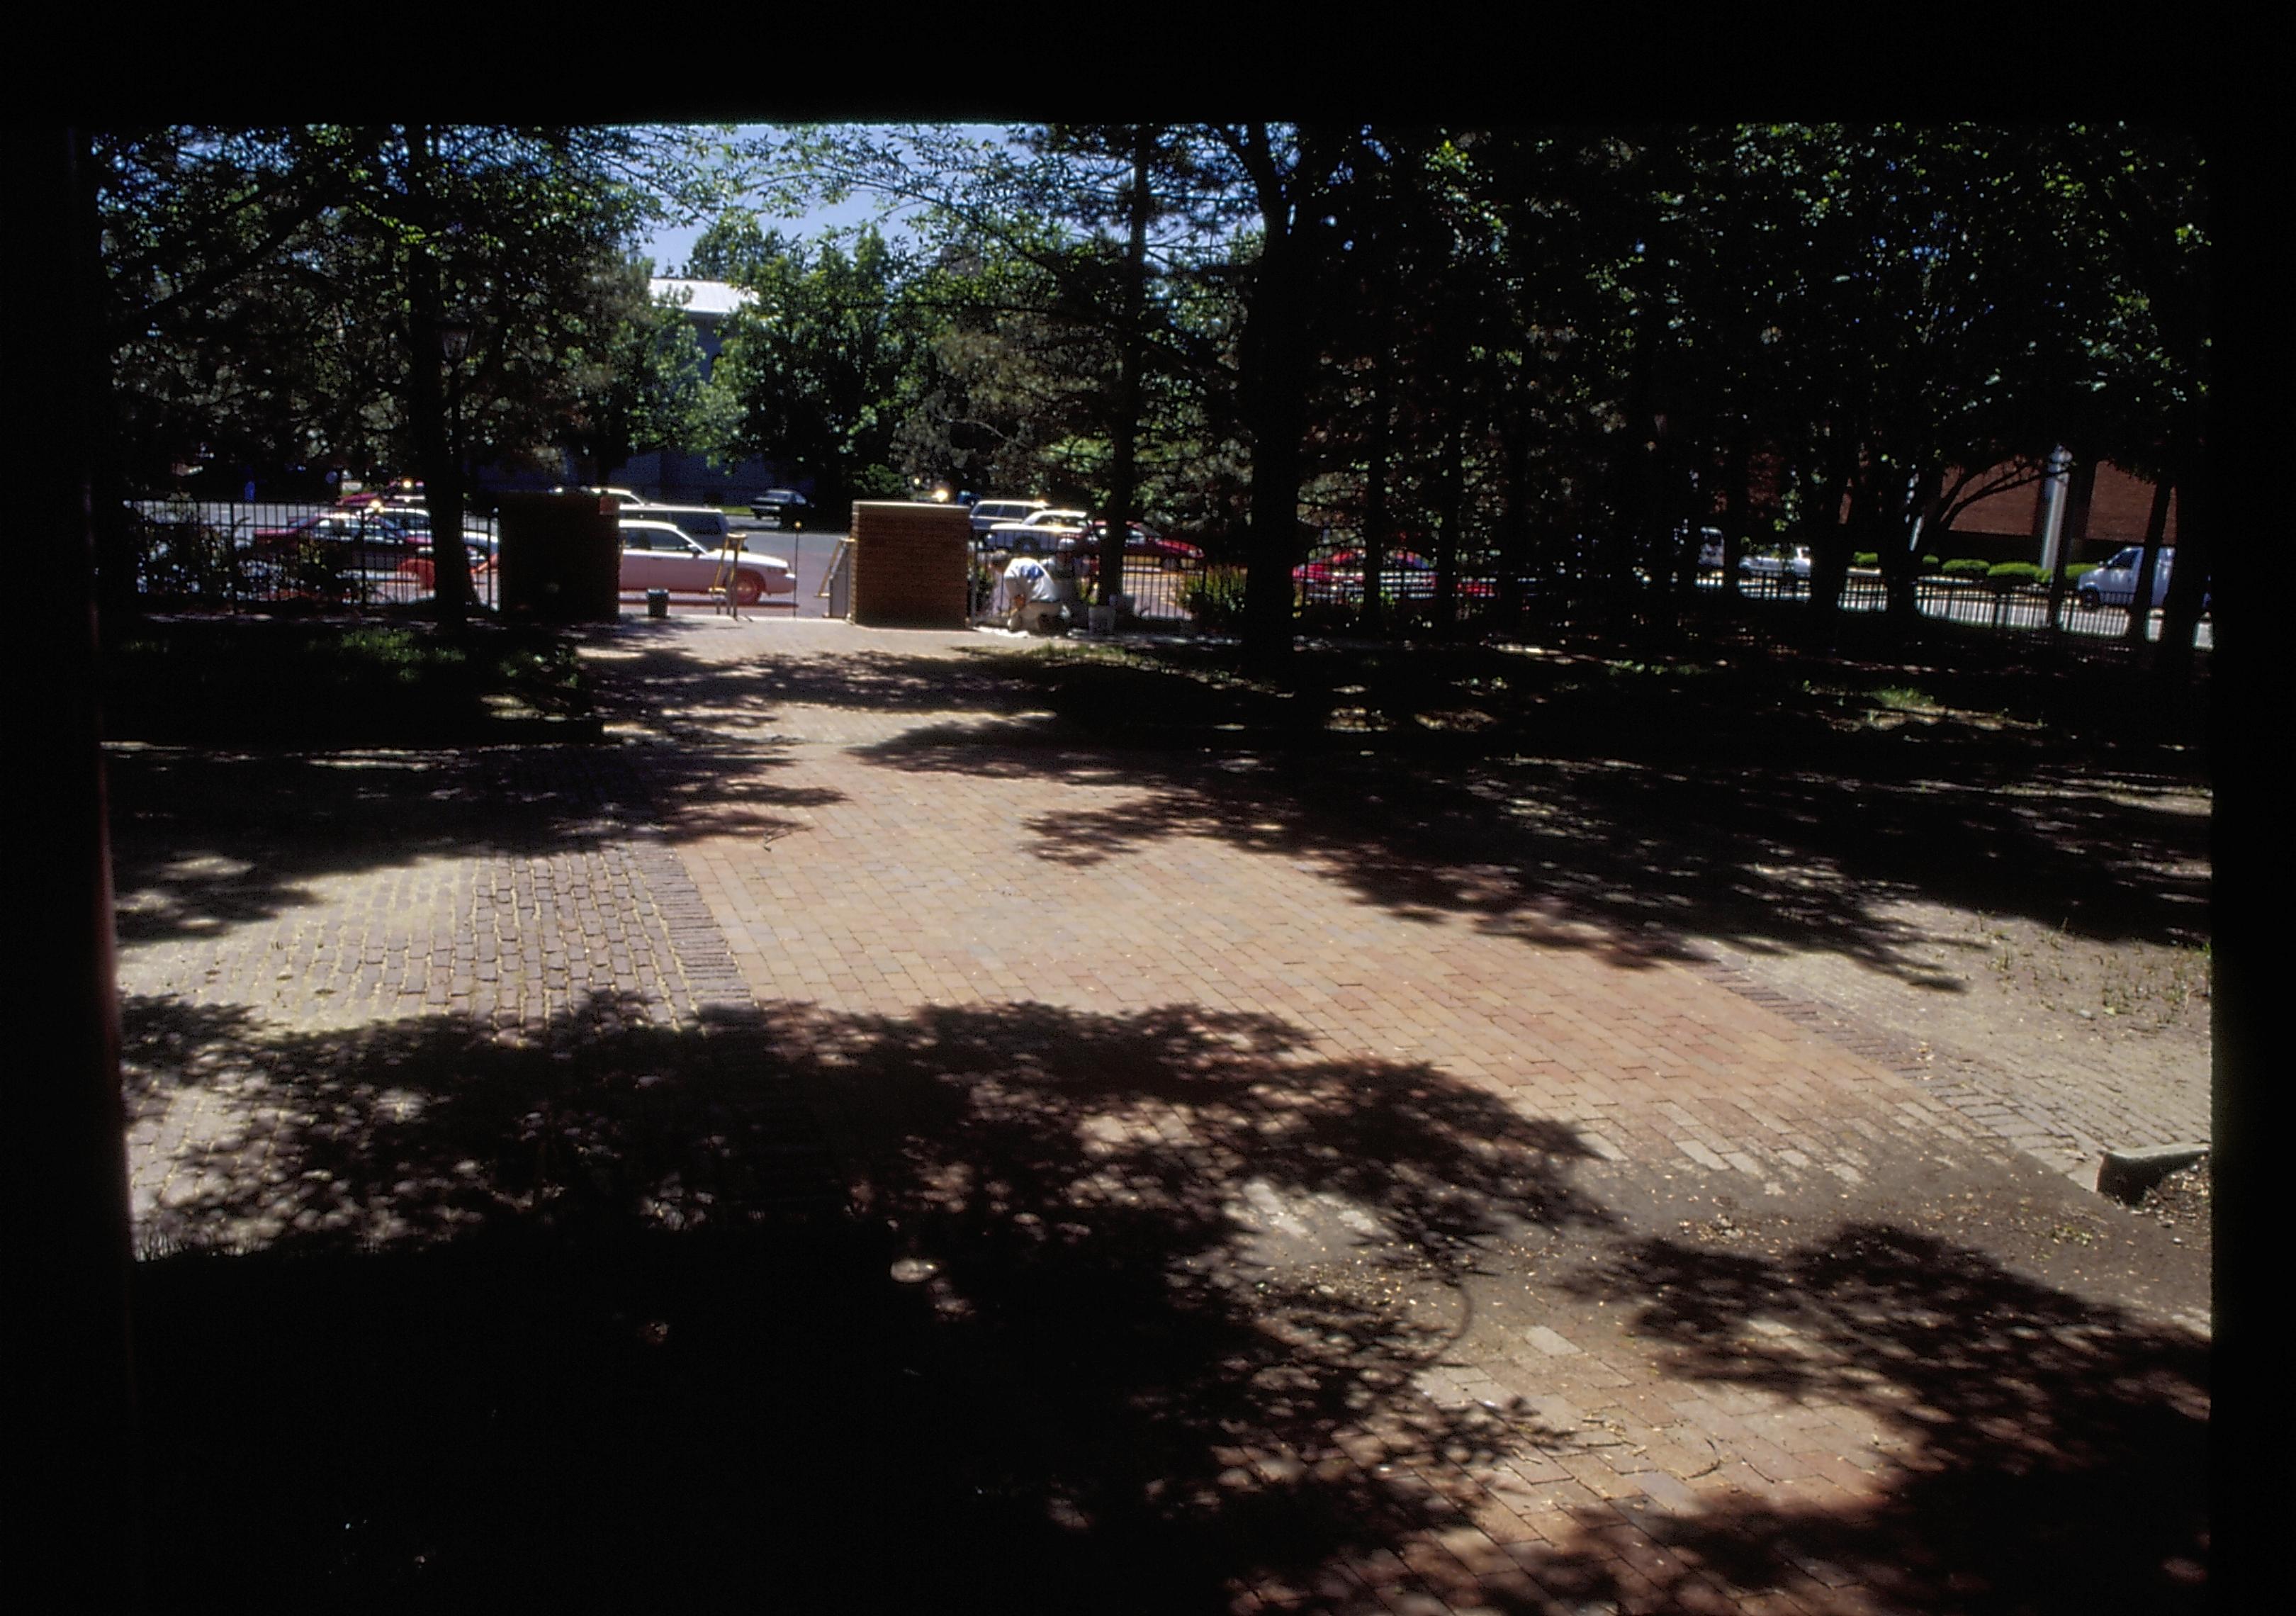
1076,272
1559,355
642,388
829,358
277,295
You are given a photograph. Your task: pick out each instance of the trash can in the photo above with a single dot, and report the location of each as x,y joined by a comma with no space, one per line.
656,603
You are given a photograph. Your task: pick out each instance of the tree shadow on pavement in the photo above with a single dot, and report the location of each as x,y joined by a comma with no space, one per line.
1019,1308
1621,827
2050,1454
206,838
1621,806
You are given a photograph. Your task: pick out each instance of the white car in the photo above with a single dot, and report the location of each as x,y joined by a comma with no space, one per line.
1794,566
623,497
1040,535
656,556
988,513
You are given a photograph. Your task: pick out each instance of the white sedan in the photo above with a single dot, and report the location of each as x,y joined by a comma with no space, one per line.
656,556
1037,534
1794,566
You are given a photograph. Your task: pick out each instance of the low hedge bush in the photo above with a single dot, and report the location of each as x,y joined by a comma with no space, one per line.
1216,599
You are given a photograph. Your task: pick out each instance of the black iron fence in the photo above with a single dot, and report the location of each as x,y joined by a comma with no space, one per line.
1159,589
212,553
1974,601
1336,598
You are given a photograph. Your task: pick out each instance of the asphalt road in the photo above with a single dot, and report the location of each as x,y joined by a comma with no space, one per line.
807,551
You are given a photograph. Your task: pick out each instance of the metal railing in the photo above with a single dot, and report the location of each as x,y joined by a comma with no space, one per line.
235,556
1973,601
1157,587
837,582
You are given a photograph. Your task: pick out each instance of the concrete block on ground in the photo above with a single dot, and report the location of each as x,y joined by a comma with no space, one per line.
2125,1175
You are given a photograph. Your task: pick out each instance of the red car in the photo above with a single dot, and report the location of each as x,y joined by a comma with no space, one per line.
1142,540
407,490
365,541
1142,545
1407,576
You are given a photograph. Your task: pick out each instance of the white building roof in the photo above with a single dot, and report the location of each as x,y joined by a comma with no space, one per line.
716,299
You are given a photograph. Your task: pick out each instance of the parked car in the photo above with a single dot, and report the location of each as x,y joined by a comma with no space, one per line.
707,523
1038,535
781,508
1794,565
656,556
1405,576
988,513
2114,584
624,496
1142,540
362,541
479,547
407,490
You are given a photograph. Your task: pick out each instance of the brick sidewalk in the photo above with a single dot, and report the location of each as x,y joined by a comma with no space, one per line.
929,871
1542,1281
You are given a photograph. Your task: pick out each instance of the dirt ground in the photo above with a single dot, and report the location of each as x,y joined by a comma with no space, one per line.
2107,1040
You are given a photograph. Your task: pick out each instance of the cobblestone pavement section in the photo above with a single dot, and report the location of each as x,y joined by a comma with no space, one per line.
536,949
2116,1059
1563,1284
892,857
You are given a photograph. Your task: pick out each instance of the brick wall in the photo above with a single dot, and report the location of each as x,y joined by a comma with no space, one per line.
561,557
2117,504
910,564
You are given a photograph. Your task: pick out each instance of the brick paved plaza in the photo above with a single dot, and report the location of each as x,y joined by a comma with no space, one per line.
1170,1205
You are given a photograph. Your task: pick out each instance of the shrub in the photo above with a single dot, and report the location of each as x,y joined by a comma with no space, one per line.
2011,575
1216,599
1966,566
1929,563
1865,558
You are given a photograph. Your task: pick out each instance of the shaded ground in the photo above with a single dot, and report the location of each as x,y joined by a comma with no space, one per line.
1031,1308
1050,1361
386,678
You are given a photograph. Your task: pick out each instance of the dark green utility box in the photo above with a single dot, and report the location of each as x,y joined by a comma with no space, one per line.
561,557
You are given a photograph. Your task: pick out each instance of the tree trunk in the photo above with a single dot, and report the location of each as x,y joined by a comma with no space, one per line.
1374,520
1514,516
1738,502
1274,407
1893,540
1832,535
1274,421
442,483
2156,524
2180,612
1126,428
1449,503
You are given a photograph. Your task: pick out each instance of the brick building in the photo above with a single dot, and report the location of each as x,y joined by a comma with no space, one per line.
2105,508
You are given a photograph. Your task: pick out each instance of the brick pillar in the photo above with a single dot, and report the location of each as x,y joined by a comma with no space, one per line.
910,562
